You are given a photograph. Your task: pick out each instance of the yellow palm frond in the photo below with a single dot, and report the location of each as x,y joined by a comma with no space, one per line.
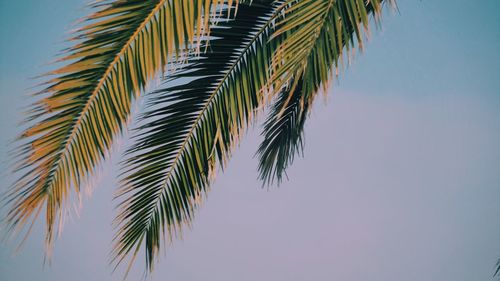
87,102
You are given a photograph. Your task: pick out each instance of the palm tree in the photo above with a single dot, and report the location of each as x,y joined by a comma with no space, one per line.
221,61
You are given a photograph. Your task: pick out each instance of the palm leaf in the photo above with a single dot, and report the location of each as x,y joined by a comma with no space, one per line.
283,137
320,32
189,128
87,102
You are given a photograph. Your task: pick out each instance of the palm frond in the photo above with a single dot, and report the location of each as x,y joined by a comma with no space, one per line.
283,134
189,128
87,102
319,34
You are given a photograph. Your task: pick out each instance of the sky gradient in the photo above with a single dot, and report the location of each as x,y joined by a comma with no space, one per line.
400,178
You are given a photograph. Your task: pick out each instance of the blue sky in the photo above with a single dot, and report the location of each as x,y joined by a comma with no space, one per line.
400,178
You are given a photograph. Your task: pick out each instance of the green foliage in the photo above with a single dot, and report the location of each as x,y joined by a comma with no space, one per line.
283,133
87,102
231,58
318,34
192,126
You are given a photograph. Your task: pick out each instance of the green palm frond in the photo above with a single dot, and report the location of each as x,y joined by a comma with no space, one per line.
189,128
87,102
320,32
283,137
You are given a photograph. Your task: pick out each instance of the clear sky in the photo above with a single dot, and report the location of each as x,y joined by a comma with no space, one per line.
400,179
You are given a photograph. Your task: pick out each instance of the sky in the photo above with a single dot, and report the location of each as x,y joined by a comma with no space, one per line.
400,178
